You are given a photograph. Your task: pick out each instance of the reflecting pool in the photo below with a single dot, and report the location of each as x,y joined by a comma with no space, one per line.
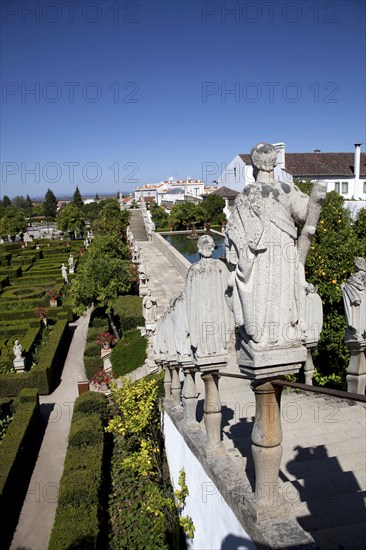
188,248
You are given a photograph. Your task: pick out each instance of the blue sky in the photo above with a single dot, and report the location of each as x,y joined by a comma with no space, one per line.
133,92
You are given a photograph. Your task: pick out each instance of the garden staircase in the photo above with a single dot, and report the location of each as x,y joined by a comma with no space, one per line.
137,225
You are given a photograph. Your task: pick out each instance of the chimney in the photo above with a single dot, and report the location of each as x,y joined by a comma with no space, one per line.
357,161
280,148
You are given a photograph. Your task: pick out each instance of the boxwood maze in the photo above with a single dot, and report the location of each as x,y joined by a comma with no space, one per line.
26,277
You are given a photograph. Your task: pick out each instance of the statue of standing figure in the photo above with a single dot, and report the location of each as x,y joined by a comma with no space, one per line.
354,299
267,288
209,319
64,273
17,349
149,308
71,263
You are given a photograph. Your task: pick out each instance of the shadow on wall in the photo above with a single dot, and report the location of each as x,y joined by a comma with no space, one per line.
232,542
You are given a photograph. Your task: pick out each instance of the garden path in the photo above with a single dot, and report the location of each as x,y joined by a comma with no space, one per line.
36,519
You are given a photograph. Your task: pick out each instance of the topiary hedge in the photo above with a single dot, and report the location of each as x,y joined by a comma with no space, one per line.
129,353
78,521
127,311
18,453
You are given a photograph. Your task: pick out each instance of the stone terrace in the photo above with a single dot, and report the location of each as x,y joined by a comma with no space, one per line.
322,475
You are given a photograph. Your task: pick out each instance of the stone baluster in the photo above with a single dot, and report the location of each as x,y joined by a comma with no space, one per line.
189,395
212,411
266,442
167,381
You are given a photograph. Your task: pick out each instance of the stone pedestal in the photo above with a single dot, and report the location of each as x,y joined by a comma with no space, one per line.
262,364
19,364
105,355
309,365
356,371
266,443
189,395
71,270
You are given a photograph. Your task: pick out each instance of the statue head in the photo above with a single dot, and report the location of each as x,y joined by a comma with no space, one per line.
206,245
360,263
264,157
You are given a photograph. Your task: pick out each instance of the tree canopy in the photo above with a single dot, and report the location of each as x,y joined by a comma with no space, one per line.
70,218
12,222
76,198
50,204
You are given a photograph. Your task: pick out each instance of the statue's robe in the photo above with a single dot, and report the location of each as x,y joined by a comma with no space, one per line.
261,240
210,321
354,299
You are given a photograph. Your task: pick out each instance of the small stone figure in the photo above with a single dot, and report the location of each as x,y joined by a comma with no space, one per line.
314,325
71,263
149,310
17,349
64,273
18,361
354,298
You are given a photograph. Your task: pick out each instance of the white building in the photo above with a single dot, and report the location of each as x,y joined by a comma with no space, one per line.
171,190
343,172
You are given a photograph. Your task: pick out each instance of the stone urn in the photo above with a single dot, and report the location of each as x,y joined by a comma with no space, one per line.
106,345
53,303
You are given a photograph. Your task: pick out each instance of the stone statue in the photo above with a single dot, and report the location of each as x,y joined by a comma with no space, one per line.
17,349
181,329
71,262
64,273
314,315
354,298
149,308
209,319
266,291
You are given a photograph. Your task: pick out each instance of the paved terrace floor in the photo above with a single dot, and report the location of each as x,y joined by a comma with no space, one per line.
323,465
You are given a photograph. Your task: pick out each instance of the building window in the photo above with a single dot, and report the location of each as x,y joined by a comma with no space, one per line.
337,186
344,187
235,172
364,186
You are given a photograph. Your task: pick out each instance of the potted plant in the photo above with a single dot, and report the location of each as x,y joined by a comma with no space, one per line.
102,379
106,340
54,295
42,312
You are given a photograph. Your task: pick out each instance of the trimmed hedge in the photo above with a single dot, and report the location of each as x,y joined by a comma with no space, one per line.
79,510
127,311
44,375
18,453
129,353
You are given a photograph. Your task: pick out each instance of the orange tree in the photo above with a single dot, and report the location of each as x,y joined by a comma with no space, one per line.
329,264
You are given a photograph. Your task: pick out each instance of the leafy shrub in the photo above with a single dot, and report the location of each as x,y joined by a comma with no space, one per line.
91,402
129,353
127,311
82,431
92,364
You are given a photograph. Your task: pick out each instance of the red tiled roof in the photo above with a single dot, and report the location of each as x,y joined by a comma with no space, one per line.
319,164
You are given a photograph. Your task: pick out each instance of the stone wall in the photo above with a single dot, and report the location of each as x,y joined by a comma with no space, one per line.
176,259
215,523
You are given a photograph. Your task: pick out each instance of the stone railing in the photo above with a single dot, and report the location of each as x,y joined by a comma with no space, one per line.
176,259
